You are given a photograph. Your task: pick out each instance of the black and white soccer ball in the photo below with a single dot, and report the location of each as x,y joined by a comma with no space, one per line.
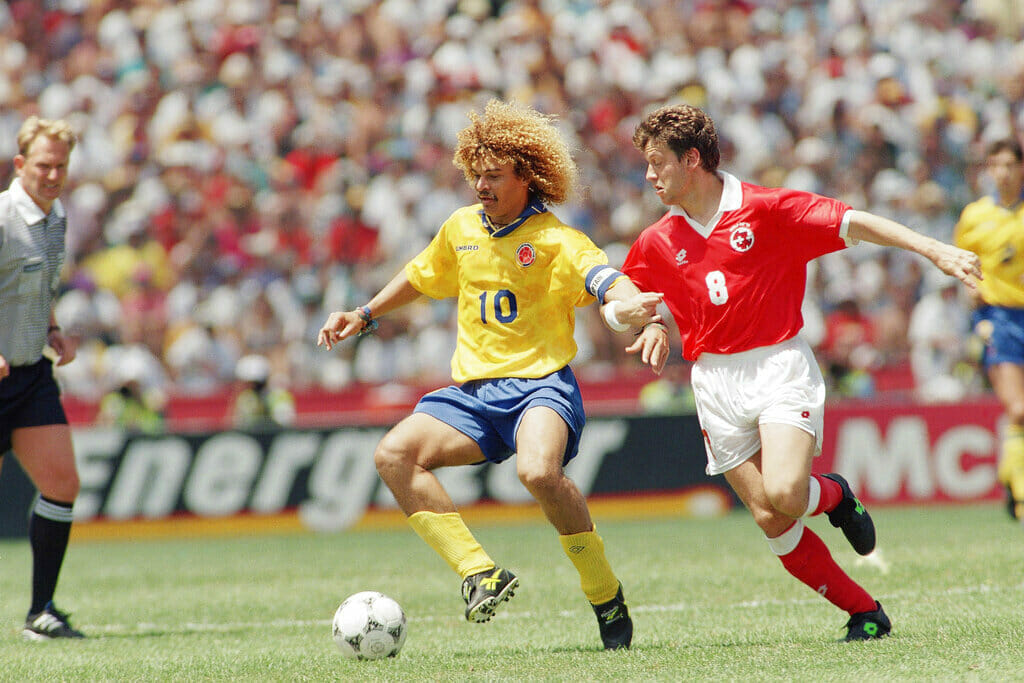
369,625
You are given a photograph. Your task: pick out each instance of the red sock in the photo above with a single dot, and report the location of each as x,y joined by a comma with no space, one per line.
812,563
831,495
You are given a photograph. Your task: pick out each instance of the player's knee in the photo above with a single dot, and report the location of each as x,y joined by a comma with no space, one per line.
538,477
389,454
787,497
1015,412
60,483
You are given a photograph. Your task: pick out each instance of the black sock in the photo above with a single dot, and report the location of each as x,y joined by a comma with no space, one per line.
49,526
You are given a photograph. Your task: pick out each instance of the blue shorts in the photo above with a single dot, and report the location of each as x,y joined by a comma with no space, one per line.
29,397
489,410
1006,344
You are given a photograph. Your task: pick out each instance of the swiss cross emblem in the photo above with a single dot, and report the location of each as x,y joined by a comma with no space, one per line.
526,254
742,237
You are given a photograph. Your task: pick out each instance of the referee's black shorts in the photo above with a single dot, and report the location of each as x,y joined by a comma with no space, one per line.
29,397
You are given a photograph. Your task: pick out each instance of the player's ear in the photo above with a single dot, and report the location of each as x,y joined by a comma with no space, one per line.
692,157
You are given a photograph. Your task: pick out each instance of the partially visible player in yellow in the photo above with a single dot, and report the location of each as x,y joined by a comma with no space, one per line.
519,274
993,228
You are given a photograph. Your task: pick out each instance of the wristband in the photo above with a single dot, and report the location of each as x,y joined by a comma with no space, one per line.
369,324
611,317
51,329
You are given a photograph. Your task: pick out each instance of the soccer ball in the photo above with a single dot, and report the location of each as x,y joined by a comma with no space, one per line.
369,625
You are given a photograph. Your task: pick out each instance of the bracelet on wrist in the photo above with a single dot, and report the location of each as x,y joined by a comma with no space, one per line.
51,329
369,324
646,325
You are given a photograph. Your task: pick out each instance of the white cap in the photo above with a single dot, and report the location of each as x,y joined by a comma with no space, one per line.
252,368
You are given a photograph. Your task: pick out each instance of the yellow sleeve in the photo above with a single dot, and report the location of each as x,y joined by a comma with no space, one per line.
433,271
586,257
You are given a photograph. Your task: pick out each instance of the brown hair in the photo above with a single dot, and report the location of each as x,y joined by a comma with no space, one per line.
524,138
1011,145
681,127
35,127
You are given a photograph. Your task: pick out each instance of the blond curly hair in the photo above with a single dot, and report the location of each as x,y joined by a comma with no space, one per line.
529,140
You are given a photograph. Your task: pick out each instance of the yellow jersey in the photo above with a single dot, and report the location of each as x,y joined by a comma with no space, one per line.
996,235
517,286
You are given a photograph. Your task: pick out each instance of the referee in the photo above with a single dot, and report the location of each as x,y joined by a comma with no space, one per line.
32,419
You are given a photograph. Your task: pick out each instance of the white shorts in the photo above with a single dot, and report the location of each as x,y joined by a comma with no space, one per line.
737,392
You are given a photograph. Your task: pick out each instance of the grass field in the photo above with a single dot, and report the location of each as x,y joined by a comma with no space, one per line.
709,602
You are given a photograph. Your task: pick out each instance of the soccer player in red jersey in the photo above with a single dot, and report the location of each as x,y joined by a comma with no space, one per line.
730,259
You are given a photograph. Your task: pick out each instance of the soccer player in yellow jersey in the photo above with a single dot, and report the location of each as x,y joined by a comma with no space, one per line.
993,228
518,273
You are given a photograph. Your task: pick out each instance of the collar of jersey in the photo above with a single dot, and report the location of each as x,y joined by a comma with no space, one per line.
29,210
534,207
732,199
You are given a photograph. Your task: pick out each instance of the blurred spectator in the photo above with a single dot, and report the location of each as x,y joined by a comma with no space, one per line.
847,351
258,403
940,327
137,399
226,145
669,394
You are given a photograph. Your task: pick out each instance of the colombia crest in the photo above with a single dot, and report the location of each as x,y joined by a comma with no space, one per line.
526,254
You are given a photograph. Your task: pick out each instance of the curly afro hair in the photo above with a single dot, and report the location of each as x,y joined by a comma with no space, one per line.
529,140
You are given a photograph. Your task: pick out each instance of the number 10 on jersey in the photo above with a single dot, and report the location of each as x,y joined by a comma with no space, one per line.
502,306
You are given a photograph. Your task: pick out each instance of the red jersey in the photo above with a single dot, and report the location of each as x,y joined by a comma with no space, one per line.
738,282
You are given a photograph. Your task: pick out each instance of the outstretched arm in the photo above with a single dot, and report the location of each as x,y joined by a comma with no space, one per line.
344,324
959,263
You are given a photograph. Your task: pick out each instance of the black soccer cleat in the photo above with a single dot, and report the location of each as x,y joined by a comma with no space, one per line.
483,592
614,622
851,516
868,625
49,624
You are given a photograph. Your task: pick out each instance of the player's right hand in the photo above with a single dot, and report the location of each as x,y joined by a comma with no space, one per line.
340,325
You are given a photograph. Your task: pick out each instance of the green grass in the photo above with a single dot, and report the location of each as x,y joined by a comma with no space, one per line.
709,602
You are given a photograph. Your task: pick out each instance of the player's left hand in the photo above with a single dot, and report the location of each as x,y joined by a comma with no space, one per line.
653,347
640,309
64,346
962,264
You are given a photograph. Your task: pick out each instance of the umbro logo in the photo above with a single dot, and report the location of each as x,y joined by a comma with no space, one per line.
577,549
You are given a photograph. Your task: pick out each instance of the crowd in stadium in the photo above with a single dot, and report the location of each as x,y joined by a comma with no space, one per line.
246,167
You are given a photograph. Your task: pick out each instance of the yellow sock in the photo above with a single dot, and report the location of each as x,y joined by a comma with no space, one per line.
586,550
450,538
1011,461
